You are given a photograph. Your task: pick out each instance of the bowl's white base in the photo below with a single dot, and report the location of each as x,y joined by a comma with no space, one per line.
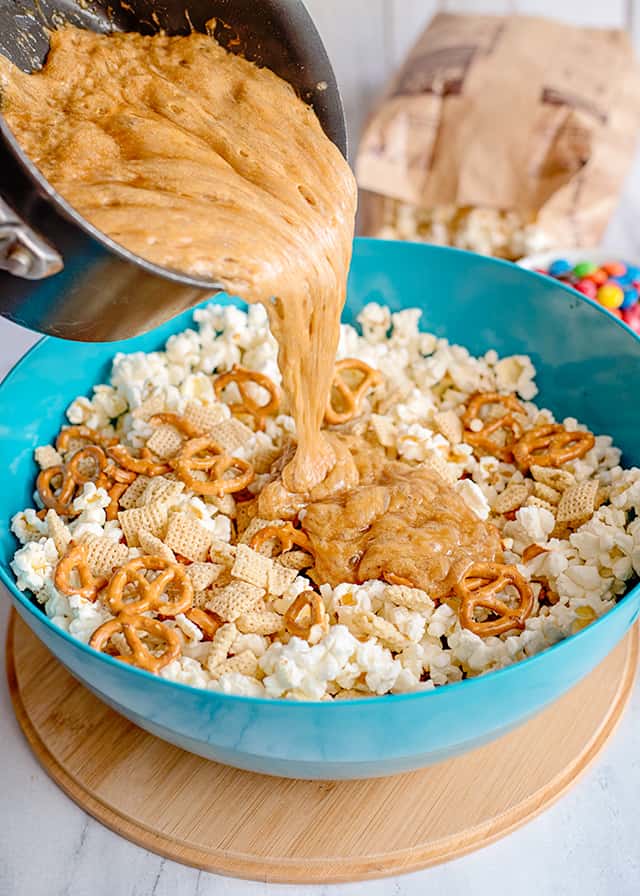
276,829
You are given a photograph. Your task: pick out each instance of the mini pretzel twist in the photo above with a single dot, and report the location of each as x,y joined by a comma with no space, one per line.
117,474
287,535
130,624
115,492
479,587
59,497
506,423
179,422
99,460
307,604
150,594
75,560
144,464
83,433
206,455
351,397
551,445
241,376
393,579
207,622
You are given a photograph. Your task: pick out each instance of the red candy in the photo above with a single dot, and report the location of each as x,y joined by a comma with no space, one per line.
587,287
631,317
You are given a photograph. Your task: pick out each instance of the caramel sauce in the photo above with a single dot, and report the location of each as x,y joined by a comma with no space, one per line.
402,520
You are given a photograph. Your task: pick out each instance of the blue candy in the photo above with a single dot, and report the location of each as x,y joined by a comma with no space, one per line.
630,299
623,280
633,272
559,267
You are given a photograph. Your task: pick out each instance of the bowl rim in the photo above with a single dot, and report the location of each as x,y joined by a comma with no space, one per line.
142,675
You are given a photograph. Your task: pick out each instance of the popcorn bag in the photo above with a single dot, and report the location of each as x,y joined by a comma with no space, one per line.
503,135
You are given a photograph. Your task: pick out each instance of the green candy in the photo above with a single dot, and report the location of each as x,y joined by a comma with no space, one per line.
584,268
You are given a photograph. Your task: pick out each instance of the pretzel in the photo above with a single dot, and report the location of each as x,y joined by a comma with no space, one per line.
393,579
99,458
150,593
118,474
60,499
478,588
533,551
215,463
179,422
144,464
240,376
114,491
317,614
507,422
287,535
551,445
75,560
206,622
129,624
81,432
351,397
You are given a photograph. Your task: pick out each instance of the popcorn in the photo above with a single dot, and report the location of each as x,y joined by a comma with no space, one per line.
238,685
375,321
515,374
33,564
185,670
474,498
86,617
91,504
27,526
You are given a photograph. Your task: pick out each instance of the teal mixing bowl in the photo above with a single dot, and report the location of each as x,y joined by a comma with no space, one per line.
588,366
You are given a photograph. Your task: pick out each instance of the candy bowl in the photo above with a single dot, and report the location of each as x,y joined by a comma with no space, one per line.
605,276
583,357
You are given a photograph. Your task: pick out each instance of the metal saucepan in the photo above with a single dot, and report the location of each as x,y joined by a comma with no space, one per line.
58,273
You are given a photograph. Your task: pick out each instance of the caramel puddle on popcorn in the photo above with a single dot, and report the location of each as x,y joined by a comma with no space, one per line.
197,160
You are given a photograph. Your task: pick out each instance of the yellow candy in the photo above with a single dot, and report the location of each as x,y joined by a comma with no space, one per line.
610,295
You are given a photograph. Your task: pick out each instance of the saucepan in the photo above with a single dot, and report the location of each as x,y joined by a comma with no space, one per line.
58,273
588,366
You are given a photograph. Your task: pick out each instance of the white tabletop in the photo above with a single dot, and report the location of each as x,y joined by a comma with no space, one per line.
588,844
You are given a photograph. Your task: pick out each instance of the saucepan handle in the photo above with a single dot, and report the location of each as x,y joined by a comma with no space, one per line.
23,252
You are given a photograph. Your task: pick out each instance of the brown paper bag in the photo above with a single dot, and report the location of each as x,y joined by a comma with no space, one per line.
517,124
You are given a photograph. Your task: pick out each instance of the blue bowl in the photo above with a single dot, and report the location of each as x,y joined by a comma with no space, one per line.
588,366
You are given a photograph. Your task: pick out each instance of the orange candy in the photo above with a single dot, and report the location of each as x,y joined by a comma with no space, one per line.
615,268
599,277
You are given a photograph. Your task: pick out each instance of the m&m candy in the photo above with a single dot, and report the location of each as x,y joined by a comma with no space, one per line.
587,287
615,285
559,267
599,277
584,268
610,295
615,268
631,317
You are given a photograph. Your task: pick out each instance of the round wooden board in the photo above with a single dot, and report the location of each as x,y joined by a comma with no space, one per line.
273,829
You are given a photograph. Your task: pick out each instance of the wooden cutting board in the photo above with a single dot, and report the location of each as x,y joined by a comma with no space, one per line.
274,829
